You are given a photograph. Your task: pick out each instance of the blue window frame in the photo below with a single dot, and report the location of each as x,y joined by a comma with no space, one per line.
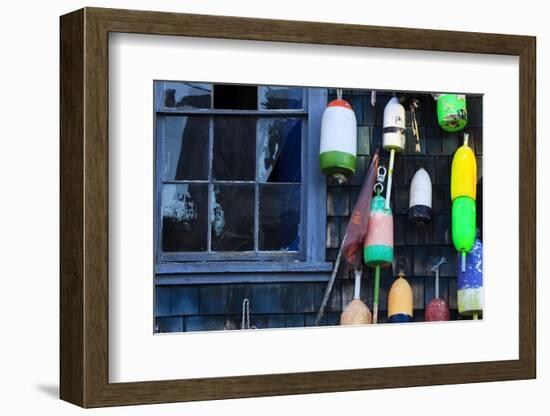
239,195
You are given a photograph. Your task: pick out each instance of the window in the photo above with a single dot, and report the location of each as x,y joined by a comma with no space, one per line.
237,182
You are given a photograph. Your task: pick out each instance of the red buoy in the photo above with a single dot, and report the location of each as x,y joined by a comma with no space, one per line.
437,309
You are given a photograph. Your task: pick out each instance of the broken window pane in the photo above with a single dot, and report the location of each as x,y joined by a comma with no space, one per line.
187,94
235,97
279,221
280,141
278,98
184,217
185,148
232,218
234,148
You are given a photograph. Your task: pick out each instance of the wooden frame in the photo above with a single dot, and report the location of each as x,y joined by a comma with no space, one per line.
84,207
308,256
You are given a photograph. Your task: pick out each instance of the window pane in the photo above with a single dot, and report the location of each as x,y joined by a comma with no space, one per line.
279,220
274,98
184,217
280,141
235,97
187,94
185,148
234,148
233,218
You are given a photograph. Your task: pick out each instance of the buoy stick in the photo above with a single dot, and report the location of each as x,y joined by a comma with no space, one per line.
330,283
475,317
463,261
437,282
390,176
376,291
357,294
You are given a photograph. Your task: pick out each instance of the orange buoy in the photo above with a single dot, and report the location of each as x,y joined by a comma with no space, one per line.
357,312
400,300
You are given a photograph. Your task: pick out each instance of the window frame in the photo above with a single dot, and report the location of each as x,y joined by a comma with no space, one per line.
306,264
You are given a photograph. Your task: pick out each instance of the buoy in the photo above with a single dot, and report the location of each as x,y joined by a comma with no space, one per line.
400,300
464,172
451,112
437,309
469,283
338,148
357,312
393,137
420,200
463,225
378,245
463,195
352,242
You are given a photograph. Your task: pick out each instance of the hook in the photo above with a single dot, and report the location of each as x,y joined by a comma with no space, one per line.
436,266
381,174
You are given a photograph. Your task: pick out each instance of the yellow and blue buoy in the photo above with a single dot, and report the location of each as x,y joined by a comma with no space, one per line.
338,148
400,300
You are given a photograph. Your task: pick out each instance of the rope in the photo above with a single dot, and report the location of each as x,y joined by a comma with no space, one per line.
416,132
245,320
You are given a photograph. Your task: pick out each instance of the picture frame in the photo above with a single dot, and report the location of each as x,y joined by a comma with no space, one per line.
84,217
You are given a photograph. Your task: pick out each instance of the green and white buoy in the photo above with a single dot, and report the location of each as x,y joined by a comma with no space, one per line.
338,149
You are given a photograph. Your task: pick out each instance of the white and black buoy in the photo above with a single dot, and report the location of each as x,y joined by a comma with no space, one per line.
420,200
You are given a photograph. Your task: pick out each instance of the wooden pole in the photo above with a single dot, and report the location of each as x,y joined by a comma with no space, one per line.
330,283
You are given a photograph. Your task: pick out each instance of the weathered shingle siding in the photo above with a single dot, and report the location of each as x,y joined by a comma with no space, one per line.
212,306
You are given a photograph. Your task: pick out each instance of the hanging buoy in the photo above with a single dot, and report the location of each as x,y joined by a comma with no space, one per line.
400,300
378,245
464,172
420,200
469,283
352,242
393,137
338,148
451,112
463,219
463,195
437,309
357,312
